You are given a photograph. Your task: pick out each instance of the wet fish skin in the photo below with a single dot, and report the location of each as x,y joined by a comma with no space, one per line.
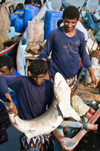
62,92
52,118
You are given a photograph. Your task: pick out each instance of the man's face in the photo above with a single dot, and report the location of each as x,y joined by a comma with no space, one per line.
17,7
69,24
38,79
5,71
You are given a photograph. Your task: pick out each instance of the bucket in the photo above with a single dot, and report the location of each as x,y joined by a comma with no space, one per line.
29,12
18,24
12,18
50,21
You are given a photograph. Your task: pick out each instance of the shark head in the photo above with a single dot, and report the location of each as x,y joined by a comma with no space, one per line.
7,104
62,93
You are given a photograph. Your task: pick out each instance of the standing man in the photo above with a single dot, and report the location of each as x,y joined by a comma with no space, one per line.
34,94
66,44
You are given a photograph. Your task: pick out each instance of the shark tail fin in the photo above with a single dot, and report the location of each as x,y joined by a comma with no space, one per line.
73,114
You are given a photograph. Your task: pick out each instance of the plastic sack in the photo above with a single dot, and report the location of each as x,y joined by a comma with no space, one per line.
35,32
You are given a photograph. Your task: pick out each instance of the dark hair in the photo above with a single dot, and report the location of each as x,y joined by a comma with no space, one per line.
20,5
71,12
6,61
59,22
38,66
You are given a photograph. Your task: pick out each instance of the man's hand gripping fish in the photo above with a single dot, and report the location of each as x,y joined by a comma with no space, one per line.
53,117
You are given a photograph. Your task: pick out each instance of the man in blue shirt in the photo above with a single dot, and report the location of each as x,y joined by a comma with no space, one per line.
34,94
6,68
66,44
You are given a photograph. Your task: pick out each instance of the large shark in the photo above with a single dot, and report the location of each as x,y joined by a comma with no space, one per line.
53,117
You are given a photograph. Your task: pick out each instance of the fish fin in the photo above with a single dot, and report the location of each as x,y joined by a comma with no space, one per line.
62,108
73,114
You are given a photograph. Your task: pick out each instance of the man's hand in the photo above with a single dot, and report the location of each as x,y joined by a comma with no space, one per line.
93,78
13,108
94,81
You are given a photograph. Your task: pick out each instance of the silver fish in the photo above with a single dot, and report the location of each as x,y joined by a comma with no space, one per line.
53,117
